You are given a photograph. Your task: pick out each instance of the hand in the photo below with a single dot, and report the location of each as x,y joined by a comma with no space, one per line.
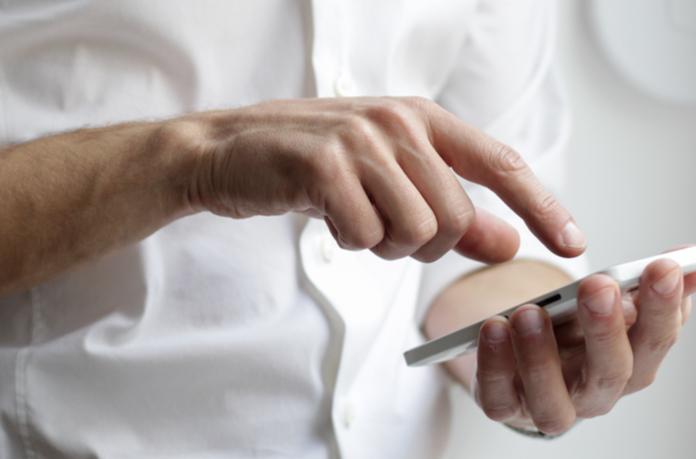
530,374
376,169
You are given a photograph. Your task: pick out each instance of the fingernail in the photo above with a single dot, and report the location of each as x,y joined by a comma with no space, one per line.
573,237
495,332
528,322
668,283
601,302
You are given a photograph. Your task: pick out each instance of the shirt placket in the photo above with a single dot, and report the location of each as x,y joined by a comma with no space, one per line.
330,50
353,307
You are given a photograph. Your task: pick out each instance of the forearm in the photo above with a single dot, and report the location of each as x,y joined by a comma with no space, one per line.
483,293
72,197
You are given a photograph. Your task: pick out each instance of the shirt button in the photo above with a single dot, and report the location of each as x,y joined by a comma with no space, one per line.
348,417
343,86
327,248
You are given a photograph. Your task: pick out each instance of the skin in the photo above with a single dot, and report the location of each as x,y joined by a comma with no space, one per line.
378,170
545,377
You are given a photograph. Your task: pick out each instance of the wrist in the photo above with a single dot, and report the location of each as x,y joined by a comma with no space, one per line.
184,147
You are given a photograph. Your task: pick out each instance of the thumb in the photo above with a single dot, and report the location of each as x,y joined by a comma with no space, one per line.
489,239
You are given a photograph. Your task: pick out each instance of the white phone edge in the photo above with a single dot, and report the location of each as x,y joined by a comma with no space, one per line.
560,304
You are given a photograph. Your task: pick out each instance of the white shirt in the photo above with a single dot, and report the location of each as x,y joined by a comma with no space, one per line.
218,338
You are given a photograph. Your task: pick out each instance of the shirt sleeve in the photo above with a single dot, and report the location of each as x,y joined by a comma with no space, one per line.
504,83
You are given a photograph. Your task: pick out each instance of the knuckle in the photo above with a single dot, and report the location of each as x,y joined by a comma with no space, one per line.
457,223
538,370
606,336
660,345
359,126
506,160
419,102
614,381
328,155
363,238
417,234
316,195
546,205
329,167
487,376
392,113
643,381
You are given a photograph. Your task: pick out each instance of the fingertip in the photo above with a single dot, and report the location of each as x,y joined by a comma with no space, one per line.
524,308
528,320
658,269
595,283
495,330
663,277
572,252
573,240
689,278
569,241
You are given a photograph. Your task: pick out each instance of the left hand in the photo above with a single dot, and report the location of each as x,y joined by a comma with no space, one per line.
531,374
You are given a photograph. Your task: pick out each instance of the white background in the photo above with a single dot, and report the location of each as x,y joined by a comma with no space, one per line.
631,162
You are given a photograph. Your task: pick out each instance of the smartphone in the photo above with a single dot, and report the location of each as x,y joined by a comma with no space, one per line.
560,304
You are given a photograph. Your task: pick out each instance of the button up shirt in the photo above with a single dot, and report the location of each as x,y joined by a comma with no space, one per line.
217,338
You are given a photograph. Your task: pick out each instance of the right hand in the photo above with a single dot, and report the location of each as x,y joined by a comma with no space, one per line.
377,170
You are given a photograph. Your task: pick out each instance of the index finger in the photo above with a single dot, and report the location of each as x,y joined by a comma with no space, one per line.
483,160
